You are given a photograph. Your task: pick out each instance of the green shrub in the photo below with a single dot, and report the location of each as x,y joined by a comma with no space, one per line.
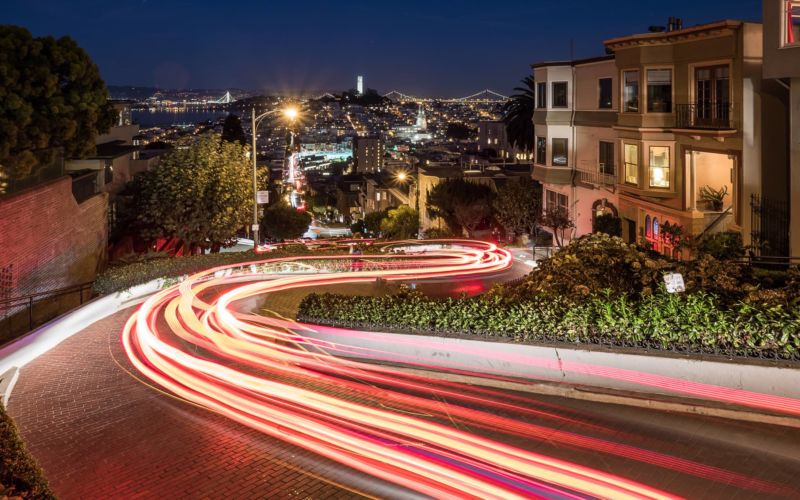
20,476
727,245
696,322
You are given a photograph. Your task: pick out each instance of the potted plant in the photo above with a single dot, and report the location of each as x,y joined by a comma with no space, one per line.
714,197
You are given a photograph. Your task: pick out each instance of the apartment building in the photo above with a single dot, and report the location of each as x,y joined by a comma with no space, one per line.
689,129
779,216
576,151
368,154
492,138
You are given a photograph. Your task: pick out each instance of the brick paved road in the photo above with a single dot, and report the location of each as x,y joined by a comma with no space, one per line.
99,432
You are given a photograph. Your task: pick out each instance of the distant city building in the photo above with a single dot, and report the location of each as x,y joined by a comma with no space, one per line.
368,154
492,137
417,132
360,85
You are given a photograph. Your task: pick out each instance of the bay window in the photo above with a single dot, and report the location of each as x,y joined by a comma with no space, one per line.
541,150
630,91
559,94
659,166
659,91
631,163
541,95
559,152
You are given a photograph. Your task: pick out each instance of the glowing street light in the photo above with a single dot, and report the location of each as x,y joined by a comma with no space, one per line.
291,113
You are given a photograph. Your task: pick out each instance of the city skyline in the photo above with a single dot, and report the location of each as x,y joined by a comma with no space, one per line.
429,50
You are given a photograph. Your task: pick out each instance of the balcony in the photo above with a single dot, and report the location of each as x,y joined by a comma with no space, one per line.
704,115
596,178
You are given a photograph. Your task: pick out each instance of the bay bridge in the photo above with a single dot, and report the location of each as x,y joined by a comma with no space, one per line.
485,96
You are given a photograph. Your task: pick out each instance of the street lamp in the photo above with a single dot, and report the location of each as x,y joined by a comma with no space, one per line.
291,114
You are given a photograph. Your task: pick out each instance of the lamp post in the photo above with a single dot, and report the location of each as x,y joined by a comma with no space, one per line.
290,113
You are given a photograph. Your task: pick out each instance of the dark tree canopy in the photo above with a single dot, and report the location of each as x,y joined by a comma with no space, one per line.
51,96
518,206
282,222
453,200
232,130
400,223
518,115
459,131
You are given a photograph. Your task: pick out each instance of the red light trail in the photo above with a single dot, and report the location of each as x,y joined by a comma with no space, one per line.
264,373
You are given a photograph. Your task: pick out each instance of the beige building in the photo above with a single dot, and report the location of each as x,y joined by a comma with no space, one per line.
492,136
689,124
780,216
576,151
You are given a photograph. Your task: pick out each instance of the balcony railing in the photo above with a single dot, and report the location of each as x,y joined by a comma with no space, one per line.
596,177
704,115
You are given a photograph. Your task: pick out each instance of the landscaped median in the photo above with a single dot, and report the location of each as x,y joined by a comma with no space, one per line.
600,290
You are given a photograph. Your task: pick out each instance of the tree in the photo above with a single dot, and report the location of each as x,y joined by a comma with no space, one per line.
518,115
470,216
401,223
557,219
372,222
282,222
232,130
201,194
518,206
51,96
609,224
449,194
459,131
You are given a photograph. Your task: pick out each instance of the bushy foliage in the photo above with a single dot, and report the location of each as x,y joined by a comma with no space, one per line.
20,476
687,322
400,223
723,246
51,96
453,200
201,194
282,222
518,206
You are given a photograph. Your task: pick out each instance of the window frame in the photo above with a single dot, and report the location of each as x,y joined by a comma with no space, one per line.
600,164
623,83
541,95
543,159
553,151
787,33
558,197
625,176
610,91
553,94
646,89
668,167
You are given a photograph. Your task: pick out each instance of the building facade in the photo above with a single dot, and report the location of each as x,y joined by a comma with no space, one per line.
576,151
781,103
689,129
368,154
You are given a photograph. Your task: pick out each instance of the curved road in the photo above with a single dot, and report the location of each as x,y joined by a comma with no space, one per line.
292,420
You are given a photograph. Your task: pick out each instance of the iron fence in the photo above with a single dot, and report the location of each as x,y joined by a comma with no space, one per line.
769,226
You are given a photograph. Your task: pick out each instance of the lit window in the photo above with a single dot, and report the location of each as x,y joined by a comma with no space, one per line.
792,27
655,227
659,166
659,91
631,163
630,91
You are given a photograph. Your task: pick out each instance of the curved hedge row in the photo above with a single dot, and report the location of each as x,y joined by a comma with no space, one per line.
687,322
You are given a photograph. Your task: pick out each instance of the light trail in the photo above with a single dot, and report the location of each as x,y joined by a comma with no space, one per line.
265,373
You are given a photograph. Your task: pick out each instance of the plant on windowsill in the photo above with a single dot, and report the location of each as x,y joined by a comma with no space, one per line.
713,197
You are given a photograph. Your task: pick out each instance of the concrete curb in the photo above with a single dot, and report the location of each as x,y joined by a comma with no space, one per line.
639,400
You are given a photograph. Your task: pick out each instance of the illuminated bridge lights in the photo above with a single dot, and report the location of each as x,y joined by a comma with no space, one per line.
266,373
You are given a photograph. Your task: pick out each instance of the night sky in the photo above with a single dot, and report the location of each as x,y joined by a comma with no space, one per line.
433,47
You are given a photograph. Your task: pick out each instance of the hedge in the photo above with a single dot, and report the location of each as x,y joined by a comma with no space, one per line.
122,277
20,476
687,322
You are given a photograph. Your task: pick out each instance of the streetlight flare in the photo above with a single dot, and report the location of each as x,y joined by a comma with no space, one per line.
291,112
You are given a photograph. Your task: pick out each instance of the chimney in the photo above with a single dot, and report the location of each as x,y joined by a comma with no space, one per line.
671,23
679,24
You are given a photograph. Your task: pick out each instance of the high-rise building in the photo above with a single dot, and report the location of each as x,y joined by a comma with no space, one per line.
368,154
360,85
